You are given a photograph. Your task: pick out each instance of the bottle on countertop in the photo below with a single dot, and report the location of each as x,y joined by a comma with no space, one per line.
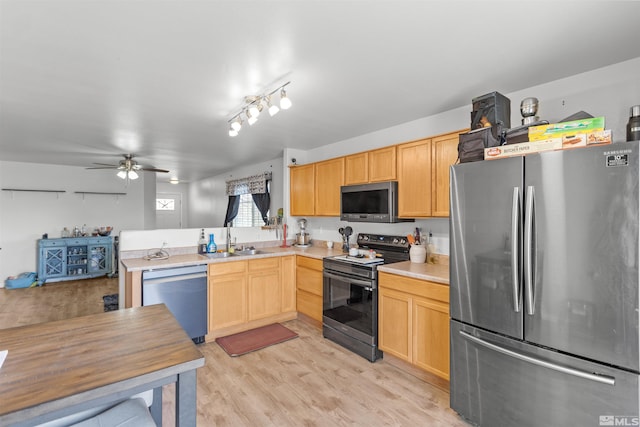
212,247
431,250
202,243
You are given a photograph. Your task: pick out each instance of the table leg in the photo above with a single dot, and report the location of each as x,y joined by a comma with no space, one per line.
156,406
186,409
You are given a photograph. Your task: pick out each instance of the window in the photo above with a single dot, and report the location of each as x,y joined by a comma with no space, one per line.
248,213
165,205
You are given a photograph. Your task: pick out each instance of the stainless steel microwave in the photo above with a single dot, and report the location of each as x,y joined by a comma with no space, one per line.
375,202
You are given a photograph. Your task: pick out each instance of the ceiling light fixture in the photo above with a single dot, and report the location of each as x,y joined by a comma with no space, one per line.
254,106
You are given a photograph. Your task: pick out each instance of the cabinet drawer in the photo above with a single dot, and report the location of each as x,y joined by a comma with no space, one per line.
76,242
413,286
309,280
231,267
99,241
264,264
312,263
309,304
50,243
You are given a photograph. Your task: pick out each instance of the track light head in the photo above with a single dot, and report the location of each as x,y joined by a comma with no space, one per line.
250,118
273,109
254,109
285,102
237,124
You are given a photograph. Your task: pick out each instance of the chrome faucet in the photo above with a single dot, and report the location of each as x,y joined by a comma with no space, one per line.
228,236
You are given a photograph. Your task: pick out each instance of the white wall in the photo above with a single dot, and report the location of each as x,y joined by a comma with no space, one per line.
26,216
208,198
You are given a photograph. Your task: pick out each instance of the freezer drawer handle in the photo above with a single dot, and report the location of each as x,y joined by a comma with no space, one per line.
570,371
515,243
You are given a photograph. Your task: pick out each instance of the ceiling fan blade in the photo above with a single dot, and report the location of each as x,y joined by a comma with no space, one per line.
106,164
155,170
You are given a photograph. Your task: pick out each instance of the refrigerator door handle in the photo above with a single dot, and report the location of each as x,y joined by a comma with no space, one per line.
515,242
604,379
528,251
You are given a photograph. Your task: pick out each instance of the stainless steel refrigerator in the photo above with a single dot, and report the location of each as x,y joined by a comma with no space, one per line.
544,288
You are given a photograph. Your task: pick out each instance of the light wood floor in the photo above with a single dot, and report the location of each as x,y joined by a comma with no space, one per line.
307,381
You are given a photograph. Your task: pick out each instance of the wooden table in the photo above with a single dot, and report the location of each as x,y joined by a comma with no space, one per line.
59,368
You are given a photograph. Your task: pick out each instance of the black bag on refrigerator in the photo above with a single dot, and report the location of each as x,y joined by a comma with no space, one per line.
493,109
471,145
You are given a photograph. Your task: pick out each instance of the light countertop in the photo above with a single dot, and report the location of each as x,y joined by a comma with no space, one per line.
438,273
138,264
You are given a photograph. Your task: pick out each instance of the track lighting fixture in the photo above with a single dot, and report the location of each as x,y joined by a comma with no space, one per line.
254,106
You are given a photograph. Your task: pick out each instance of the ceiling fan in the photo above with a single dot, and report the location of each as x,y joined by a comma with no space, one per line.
128,168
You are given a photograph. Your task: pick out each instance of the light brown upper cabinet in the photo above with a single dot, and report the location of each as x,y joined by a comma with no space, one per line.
371,166
302,190
356,169
444,154
329,177
414,179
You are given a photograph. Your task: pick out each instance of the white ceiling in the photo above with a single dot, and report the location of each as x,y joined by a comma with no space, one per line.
87,81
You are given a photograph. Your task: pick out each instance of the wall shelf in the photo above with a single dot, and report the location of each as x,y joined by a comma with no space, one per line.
34,190
100,192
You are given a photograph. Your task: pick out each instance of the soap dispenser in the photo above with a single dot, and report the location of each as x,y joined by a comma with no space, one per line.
212,247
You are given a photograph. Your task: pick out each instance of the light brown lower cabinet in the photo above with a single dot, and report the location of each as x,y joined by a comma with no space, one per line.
309,287
247,294
413,323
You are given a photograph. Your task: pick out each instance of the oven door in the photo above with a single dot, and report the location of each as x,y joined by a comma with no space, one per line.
350,305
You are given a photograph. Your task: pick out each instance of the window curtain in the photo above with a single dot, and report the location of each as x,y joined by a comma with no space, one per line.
232,209
262,201
257,186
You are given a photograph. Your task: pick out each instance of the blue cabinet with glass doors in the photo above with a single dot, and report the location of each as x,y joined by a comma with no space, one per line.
74,258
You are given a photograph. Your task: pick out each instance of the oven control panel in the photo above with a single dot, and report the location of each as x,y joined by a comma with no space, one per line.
381,241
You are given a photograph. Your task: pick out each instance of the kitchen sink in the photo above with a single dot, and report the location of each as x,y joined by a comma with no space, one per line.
219,255
249,252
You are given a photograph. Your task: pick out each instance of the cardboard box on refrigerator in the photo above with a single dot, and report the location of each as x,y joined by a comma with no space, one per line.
559,130
522,148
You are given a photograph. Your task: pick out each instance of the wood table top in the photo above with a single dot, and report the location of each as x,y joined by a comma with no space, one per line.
51,361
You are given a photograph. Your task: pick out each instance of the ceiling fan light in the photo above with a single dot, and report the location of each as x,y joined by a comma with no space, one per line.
132,174
122,174
174,181
285,102
233,132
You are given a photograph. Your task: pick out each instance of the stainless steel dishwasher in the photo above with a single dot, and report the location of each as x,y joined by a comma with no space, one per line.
184,291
